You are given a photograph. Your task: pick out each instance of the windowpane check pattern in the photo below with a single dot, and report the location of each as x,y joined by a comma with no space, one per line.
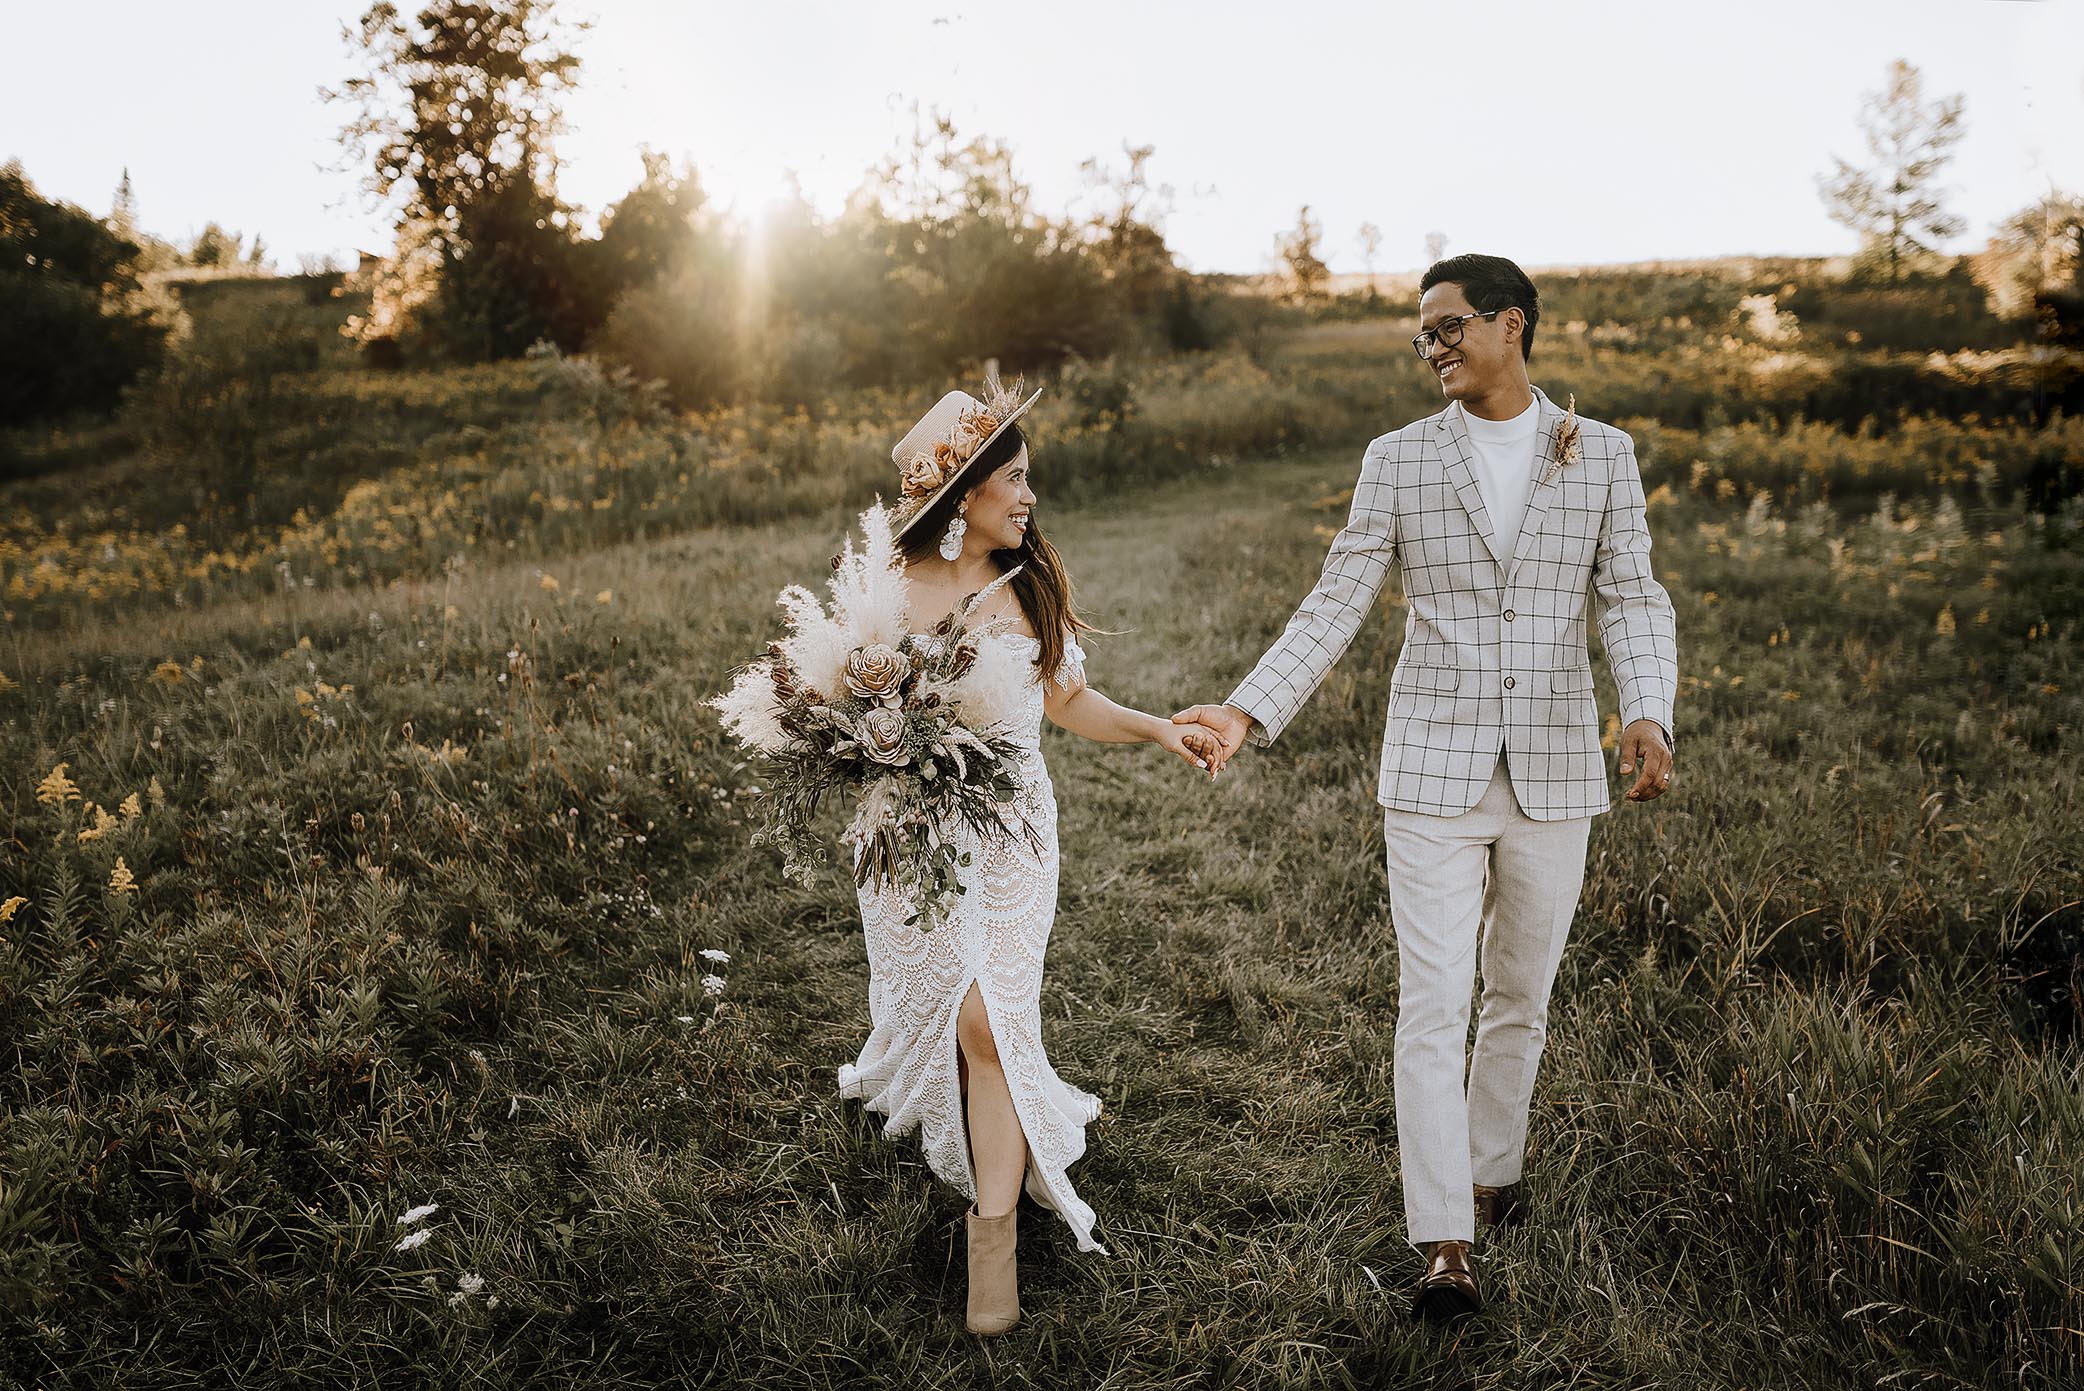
1495,655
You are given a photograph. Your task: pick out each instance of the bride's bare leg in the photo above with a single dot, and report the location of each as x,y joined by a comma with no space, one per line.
997,1147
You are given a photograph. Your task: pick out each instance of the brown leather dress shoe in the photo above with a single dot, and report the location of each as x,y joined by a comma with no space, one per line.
1447,1291
1499,1207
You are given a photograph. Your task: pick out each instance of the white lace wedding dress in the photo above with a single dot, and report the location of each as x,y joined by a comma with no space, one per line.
995,937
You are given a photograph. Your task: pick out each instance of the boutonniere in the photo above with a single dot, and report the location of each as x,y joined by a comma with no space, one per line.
1567,447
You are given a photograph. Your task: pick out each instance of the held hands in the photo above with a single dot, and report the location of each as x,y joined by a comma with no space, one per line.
1197,744
1643,746
1223,725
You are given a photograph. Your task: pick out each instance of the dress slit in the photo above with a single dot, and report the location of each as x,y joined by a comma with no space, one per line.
910,1068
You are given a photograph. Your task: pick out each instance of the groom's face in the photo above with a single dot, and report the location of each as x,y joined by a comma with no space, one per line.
1482,360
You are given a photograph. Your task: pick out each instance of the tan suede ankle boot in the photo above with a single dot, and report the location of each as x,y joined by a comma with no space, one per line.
994,1278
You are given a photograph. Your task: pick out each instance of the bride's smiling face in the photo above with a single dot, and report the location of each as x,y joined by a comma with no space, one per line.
997,511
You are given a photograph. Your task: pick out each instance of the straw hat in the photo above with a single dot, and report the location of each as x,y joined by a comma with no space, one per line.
943,448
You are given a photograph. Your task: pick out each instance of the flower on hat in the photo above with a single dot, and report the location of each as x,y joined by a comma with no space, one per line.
923,474
978,423
930,467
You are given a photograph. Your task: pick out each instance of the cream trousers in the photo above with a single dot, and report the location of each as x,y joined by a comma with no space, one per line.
1515,880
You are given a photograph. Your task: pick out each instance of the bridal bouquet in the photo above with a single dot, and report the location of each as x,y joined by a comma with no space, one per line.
915,730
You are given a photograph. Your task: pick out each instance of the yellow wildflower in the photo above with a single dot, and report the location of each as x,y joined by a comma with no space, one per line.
121,880
103,823
548,583
1945,623
166,674
155,791
11,907
606,596
130,808
56,789
5,684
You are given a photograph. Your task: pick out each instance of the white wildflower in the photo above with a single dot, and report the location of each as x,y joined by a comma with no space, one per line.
412,1215
712,986
721,958
470,1284
684,1018
413,1239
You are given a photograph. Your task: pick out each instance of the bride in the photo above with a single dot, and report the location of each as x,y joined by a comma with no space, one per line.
955,1044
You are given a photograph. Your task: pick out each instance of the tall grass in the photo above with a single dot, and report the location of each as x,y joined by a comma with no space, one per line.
422,895
328,479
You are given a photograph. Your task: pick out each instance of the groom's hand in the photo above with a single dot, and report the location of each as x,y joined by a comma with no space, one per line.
1643,747
1229,724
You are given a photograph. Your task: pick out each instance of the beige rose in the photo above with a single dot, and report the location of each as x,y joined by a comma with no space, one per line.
921,476
882,735
875,671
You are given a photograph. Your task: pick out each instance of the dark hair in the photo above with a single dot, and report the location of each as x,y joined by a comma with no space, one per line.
1043,587
1490,282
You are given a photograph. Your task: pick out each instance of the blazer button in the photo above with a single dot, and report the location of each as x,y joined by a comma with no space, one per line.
1508,615
1508,683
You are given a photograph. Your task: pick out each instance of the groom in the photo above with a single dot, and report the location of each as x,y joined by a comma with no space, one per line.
1511,519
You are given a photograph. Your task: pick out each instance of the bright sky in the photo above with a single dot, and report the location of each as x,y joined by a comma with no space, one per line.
1549,131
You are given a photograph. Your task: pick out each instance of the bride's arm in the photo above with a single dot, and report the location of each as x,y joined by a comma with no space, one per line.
1077,707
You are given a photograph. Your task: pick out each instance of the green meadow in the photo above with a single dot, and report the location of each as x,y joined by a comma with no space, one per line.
365,828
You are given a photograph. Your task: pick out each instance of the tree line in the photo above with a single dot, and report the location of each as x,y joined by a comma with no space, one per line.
940,258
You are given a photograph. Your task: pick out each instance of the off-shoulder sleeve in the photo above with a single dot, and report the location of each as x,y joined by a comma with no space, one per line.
1070,673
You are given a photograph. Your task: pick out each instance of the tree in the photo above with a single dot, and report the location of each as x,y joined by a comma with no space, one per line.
1370,248
122,217
2036,252
1436,247
1894,204
1298,251
71,335
215,248
1124,233
456,122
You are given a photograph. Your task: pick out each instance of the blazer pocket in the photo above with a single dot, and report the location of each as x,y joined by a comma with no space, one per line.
1437,680
1569,682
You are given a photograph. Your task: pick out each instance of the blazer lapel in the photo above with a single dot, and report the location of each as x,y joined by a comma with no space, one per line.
1456,453
1541,488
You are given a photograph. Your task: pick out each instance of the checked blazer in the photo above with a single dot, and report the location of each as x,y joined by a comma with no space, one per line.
1495,656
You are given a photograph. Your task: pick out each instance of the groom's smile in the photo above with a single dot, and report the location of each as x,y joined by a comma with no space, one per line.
1474,353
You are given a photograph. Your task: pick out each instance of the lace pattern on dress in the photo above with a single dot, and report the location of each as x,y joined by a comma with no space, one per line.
995,939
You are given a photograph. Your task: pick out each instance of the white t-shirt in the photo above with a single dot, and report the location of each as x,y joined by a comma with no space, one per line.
1504,467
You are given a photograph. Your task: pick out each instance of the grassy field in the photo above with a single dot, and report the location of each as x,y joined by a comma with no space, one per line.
423,871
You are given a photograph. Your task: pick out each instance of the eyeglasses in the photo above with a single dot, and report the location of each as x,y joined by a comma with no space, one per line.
1447,333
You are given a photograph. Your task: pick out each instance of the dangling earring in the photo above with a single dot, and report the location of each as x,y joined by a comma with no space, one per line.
951,539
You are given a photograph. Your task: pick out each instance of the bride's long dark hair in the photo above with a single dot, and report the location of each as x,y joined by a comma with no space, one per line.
1043,586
